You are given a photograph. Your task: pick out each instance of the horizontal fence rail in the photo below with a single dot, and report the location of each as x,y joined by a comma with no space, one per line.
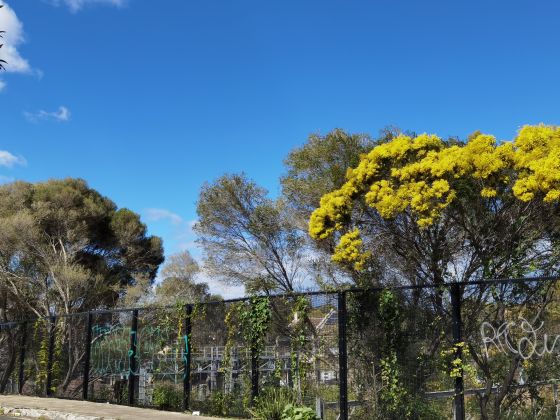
481,349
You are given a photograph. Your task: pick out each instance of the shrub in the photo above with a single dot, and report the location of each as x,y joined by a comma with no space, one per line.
167,397
271,403
292,412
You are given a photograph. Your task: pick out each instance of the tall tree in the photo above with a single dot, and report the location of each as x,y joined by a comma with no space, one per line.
442,211
313,170
248,238
64,248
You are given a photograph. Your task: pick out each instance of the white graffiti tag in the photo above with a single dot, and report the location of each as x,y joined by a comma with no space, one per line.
520,338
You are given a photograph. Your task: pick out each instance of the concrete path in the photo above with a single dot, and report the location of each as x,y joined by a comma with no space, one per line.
56,409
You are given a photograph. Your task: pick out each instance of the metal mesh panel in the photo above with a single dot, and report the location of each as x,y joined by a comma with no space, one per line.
395,338
405,355
109,361
160,351
10,339
220,366
35,363
68,356
512,332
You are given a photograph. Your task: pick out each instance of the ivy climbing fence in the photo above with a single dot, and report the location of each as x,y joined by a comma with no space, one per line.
487,349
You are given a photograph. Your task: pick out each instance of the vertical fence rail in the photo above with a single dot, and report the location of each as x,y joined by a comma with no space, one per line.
254,371
187,357
22,348
132,357
342,357
87,358
52,336
459,398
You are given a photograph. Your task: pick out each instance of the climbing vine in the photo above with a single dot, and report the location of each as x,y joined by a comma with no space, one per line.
456,366
43,339
298,316
255,319
232,327
393,395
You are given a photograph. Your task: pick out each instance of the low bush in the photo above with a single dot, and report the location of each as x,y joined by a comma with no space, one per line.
292,412
167,397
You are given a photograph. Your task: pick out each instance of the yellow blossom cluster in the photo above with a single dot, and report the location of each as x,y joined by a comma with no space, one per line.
421,175
350,250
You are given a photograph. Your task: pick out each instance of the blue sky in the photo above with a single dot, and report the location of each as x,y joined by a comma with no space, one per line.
147,100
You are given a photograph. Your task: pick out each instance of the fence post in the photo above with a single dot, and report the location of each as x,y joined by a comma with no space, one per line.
342,357
87,357
187,358
459,398
132,357
254,372
52,333
22,346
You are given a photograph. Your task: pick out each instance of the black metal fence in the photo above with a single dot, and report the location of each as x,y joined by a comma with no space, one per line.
488,349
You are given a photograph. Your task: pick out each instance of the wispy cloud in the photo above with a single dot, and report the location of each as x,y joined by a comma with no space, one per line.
182,237
12,39
62,114
156,215
77,5
8,160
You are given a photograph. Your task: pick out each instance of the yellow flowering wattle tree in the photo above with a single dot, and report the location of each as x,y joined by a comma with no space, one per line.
435,184
422,210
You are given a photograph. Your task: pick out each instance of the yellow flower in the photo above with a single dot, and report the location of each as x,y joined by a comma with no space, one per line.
421,174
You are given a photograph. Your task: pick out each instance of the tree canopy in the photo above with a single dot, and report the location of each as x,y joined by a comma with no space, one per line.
248,238
66,248
454,209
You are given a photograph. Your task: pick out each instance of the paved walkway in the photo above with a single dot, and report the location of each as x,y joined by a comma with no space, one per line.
53,408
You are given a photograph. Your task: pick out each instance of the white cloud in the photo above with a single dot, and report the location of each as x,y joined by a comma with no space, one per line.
62,114
156,215
9,160
219,288
77,5
12,39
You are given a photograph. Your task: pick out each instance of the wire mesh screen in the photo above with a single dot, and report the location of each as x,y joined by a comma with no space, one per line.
395,342
160,361
109,361
512,336
69,351
11,335
220,360
36,358
299,361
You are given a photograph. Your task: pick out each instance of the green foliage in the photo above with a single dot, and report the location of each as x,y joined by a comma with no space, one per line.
167,397
271,403
247,237
393,395
255,320
292,412
319,166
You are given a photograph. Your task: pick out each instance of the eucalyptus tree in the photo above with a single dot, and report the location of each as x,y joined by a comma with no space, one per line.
248,239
